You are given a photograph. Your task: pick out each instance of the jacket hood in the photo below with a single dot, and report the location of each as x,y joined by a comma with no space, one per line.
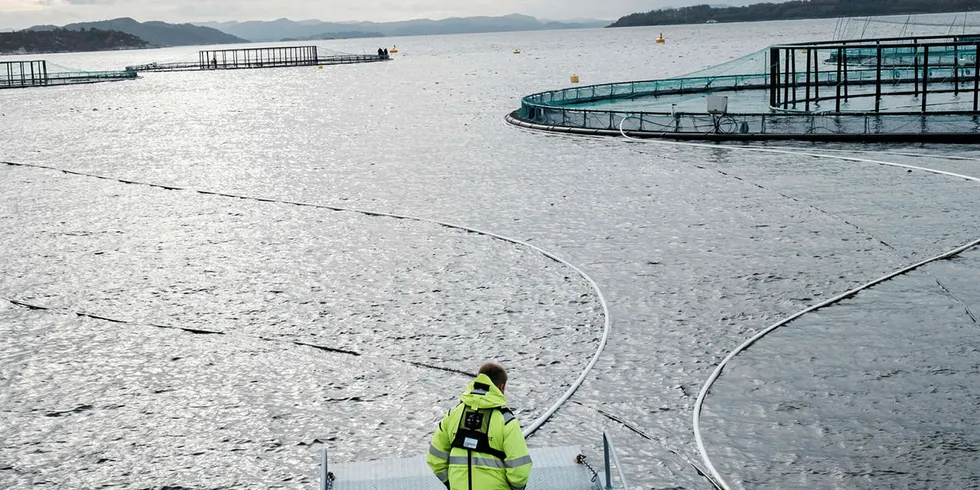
482,393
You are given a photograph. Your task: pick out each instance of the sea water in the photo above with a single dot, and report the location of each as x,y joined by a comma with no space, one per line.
193,297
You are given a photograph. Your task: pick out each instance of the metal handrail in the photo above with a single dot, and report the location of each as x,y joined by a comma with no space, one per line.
607,450
325,476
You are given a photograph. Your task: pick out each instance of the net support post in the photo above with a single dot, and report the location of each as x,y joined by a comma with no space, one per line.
773,77
976,78
878,77
808,57
925,76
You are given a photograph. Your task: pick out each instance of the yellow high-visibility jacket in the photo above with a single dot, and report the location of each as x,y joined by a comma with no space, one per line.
498,461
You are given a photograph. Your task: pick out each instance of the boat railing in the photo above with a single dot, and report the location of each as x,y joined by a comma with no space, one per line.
609,452
565,474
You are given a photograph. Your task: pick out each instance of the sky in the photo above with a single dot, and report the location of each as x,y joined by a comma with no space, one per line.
19,14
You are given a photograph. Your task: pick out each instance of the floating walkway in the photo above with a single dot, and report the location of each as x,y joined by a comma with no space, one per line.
22,74
251,58
924,89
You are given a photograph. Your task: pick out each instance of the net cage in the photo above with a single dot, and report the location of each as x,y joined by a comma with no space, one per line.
941,73
926,86
39,73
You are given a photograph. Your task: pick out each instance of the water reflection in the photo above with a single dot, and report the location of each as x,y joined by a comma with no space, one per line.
695,249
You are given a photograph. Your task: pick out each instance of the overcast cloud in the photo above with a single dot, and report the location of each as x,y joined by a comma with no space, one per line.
19,14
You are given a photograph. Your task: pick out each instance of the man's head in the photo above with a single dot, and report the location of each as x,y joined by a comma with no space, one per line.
496,373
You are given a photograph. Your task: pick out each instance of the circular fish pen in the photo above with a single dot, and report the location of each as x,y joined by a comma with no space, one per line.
924,89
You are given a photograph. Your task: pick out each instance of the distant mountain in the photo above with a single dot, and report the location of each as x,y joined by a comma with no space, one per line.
284,28
219,26
260,31
156,33
63,40
337,35
806,9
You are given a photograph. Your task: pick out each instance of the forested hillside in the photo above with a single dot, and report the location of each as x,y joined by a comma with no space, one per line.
157,33
63,40
806,9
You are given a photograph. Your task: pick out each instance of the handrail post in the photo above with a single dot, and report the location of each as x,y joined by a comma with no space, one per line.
324,473
605,455
609,449
816,76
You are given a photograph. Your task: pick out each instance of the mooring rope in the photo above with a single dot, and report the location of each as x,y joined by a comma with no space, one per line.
537,423
901,154
702,394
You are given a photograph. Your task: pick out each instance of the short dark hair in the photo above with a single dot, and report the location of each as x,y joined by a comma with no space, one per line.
495,372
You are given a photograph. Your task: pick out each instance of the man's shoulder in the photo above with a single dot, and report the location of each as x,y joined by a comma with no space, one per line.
508,415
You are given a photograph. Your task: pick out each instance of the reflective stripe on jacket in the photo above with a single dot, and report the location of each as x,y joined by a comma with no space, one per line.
452,464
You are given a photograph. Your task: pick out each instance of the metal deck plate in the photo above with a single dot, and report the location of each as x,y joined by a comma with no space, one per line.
554,469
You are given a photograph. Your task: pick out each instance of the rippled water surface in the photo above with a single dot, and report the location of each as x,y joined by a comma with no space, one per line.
194,297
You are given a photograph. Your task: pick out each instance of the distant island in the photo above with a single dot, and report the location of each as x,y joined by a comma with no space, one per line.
275,30
64,40
161,34
335,35
155,33
811,9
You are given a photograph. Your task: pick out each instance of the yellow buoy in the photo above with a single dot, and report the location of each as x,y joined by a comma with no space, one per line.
517,51
393,50
661,40
574,78
320,67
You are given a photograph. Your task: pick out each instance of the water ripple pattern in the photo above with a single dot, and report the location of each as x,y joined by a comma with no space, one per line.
718,478
530,429
410,312
695,249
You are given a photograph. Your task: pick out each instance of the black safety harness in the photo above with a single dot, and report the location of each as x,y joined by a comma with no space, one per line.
472,433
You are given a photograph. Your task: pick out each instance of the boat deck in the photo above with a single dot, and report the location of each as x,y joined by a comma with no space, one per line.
554,469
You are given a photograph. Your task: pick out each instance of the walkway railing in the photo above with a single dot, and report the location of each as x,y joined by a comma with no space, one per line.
252,58
22,74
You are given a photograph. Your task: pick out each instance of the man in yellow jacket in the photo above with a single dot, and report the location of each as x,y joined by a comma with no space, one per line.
479,444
